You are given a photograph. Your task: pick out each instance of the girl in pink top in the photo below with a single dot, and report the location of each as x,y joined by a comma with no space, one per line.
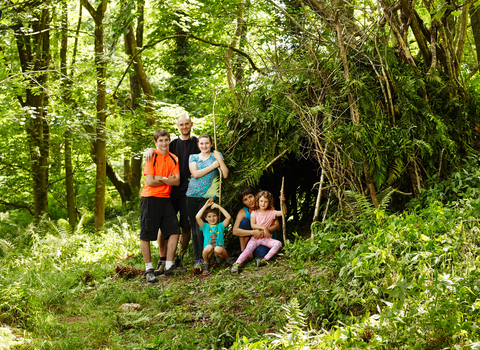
261,219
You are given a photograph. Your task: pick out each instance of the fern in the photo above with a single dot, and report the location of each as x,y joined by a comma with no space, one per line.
361,206
394,171
214,190
5,247
292,335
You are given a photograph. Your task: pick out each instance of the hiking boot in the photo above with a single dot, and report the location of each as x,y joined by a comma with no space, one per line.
261,262
150,274
235,268
178,262
230,262
206,270
160,269
173,271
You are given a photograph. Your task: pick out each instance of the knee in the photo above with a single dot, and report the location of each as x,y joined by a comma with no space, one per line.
279,244
218,250
208,249
245,224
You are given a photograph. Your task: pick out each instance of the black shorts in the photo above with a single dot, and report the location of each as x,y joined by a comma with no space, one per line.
157,213
180,205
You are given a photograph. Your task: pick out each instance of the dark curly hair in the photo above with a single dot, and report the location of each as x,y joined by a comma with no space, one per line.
245,192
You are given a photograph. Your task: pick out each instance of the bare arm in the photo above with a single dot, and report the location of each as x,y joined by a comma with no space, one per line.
226,222
152,182
199,215
253,223
149,154
240,232
171,180
274,227
202,172
221,163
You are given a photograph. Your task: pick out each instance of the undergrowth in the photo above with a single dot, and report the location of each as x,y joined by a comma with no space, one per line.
377,280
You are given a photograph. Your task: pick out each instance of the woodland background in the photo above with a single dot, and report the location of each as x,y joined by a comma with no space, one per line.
369,110
361,96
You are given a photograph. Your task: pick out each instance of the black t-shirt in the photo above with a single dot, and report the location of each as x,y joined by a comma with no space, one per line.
182,149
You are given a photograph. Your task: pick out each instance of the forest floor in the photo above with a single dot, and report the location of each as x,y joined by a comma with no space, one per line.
407,280
183,312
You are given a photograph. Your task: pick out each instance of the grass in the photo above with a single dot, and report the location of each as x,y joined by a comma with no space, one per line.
380,281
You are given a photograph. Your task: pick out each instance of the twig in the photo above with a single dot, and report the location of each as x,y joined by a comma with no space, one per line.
215,143
276,158
440,167
284,224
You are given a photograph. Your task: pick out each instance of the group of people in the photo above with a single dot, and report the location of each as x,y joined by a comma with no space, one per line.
178,176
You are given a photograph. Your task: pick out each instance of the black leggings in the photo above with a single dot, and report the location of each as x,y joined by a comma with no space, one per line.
193,206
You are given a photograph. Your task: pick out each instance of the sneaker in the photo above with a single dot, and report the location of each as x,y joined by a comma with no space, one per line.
236,268
150,274
261,262
173,271
230,261
160,269
206,271
178,262
198,267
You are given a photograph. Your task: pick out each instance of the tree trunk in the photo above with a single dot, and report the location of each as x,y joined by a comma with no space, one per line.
34,55
462,36
181,66
133,166
417,32
475,22
398,35
229,53
354,111
131,42
69,180
100,141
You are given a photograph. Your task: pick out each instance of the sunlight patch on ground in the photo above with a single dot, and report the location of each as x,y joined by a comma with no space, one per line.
8,338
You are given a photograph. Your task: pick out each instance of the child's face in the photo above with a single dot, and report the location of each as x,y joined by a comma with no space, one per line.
249,200
162,143
263,203
204,144
211,218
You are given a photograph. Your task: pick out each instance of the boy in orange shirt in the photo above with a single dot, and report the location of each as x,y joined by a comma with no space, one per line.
157,212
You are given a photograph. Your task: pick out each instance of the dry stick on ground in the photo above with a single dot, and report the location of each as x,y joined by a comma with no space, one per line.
283,215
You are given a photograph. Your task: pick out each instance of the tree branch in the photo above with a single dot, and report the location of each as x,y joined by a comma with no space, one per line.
18,206
254,67
293,20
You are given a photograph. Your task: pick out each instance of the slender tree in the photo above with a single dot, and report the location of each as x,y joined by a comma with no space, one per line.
98,16
33,45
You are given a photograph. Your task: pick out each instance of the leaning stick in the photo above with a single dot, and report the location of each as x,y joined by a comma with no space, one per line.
215,143
284,225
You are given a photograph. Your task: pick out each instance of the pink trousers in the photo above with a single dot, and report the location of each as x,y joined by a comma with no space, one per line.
253,243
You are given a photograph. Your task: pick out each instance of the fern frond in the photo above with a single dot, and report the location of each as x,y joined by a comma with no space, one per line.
214,189
384,197
395,170
358,203
293,334
5,246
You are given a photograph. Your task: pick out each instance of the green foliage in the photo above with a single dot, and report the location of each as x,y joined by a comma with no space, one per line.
461,186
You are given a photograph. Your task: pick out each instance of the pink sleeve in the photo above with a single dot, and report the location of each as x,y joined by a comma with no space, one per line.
254,214
272,215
